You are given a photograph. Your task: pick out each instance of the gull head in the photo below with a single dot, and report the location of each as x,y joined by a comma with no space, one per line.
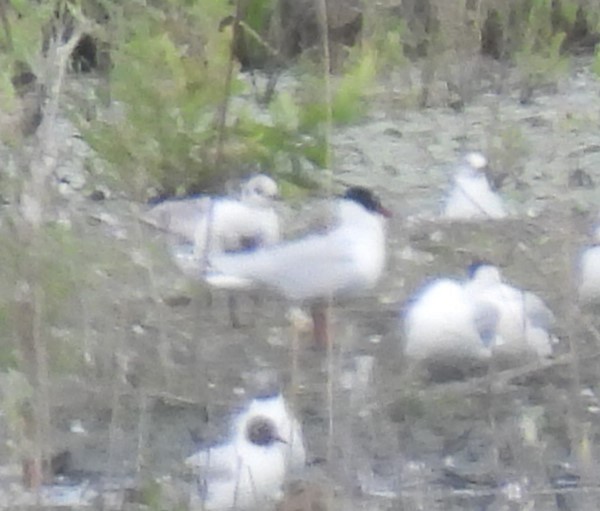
367,199
476,160
261,431
260,190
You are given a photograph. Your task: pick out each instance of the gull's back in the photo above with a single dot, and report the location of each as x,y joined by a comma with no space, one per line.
178,216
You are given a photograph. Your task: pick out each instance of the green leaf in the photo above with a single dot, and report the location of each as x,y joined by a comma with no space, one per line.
348,104
285,111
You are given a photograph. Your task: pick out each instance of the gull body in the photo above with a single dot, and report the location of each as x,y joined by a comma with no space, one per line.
524,319
266,443
442,323
588,278
471,197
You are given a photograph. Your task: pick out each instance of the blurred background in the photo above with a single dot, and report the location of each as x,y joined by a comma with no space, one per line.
114,366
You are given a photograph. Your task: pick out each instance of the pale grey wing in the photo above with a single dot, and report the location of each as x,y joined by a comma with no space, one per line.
486,316
306,268
180,217
537,312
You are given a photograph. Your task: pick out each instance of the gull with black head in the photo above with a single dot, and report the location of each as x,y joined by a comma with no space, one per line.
346,259
248,471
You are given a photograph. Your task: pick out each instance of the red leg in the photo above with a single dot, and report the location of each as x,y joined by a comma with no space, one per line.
320,316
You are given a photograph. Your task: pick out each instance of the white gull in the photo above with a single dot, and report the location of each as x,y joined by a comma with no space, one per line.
443,324
452,324
471,197
250,469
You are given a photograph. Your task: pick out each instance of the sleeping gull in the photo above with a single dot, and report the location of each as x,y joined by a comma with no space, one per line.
471,197
524,319
346,259
446,332
250,469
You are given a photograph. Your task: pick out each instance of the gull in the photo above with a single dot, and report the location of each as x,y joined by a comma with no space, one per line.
251,468
523,317
588,278
213,225
208,225
444,325
287,426
471,197
346,259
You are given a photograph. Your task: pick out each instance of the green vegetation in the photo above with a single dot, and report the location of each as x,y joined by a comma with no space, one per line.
171,90
182,119
538,55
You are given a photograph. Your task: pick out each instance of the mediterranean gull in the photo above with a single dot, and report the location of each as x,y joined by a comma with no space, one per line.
251,468
346,259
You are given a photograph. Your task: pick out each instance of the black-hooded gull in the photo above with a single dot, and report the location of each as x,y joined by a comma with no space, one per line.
248,471
346,259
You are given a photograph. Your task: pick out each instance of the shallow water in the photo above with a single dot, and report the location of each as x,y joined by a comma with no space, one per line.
163,366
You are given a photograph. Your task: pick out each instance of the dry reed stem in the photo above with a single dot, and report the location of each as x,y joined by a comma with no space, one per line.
33,212
324,27
221,117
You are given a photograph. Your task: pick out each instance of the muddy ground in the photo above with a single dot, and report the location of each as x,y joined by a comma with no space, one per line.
150,362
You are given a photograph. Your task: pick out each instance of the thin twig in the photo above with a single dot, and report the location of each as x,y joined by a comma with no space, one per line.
221,120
